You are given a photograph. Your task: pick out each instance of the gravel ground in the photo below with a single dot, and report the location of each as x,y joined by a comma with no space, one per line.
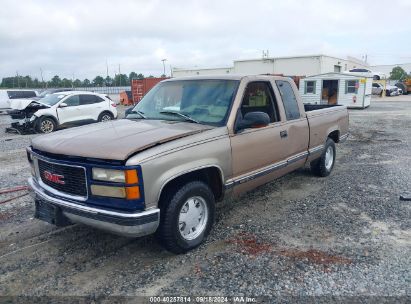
344,235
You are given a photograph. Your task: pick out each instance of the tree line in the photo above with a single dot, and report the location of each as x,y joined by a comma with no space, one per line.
58,82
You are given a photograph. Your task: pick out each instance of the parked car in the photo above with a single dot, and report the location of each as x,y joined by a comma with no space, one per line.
378,88
6,96
61,109
164,170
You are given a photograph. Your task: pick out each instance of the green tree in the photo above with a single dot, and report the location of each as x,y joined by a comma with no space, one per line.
108,81
7,82
55,82
98,81
133,75
86,83
121,80
140,76
66,83
398,73
77,83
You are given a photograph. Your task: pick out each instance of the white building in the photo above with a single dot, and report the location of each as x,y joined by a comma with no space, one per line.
387,68
289,66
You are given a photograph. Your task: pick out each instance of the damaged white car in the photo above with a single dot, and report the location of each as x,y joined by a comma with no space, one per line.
63,109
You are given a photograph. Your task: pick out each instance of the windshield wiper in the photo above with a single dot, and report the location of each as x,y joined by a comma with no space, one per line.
139,113
181,115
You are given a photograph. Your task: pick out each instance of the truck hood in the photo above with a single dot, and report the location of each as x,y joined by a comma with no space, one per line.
21,104
115,140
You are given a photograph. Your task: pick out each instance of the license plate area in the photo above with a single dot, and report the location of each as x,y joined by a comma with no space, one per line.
50,213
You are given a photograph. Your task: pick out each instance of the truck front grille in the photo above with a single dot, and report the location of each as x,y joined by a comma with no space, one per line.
64,178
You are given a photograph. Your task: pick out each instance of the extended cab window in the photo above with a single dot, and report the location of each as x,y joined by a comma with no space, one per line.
72,101
258,98
289,100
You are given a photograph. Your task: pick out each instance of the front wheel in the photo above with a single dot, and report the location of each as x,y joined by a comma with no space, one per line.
46,125
187,216
324,165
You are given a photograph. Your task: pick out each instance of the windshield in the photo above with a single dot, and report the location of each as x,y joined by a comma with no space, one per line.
52,99
199,101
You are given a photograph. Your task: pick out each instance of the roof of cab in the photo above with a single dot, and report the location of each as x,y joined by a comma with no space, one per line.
223,77
75,92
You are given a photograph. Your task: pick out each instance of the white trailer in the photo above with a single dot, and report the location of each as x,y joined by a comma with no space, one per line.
350,89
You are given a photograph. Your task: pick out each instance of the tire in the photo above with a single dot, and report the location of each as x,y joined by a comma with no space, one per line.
46,125
174,231
324,165
105,116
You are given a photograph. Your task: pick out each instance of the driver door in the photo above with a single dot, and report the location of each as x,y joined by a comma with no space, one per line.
71,112
257,153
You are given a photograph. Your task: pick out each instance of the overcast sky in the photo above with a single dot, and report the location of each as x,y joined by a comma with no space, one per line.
78,37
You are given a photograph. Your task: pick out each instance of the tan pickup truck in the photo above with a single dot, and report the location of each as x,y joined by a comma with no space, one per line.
187,144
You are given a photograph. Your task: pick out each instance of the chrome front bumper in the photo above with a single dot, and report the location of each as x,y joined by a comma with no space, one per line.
121,223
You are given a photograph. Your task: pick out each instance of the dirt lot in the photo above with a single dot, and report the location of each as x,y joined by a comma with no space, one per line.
345,235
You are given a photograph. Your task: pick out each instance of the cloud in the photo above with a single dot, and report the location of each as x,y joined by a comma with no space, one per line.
78,37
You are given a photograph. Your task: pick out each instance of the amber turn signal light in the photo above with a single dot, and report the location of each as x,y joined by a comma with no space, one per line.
133,192
131,177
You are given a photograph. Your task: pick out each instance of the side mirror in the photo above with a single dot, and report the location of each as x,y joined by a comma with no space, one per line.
63,105
253,120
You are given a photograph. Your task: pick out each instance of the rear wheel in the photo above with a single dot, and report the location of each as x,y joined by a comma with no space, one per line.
324,165
187,216
46,125
105,116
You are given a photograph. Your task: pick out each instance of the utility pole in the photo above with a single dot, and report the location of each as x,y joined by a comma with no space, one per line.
164,66
119,74
18,80
42,80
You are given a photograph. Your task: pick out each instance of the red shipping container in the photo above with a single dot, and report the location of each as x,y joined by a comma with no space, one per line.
140,87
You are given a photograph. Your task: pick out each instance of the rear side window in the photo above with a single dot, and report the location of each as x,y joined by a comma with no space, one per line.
289,100
86,99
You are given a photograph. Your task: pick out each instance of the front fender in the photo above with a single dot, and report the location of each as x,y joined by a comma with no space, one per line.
159,171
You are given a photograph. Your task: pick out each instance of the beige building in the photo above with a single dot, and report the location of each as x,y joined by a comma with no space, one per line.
289,66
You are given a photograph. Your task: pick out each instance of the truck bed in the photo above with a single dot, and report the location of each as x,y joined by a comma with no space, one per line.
324,120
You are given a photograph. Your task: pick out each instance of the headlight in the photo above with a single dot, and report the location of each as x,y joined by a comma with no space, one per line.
109,175
128,177
130,193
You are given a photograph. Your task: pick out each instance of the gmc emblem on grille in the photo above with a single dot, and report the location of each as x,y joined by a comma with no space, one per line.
55,178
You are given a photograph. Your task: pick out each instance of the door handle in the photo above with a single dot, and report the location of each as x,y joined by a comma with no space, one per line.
283,134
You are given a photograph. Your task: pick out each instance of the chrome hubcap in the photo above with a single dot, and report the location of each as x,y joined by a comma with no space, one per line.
193,217
106,118
329,158
46,126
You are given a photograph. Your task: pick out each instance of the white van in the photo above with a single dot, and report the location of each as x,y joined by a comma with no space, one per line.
7,95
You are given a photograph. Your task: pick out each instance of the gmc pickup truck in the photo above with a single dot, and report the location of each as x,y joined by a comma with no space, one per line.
187,144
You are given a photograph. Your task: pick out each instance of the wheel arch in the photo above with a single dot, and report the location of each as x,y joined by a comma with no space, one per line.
47,116
334,135
106,112
211,175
